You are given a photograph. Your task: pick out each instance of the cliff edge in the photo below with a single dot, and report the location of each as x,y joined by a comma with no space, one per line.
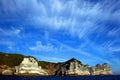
17,64
75,67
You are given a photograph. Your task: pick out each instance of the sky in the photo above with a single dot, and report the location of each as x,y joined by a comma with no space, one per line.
57,30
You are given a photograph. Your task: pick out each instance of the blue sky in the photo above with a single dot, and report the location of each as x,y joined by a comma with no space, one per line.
57,30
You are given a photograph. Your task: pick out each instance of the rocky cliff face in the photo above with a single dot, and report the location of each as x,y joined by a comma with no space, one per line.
17,64
103,69
6,70
29,66
75,67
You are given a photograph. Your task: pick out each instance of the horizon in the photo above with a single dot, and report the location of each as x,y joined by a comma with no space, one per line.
59,30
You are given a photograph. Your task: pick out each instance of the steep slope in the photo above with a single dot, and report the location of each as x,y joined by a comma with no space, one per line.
10,60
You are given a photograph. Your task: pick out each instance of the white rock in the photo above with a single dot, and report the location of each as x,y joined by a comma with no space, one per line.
75,68
30,65
103,69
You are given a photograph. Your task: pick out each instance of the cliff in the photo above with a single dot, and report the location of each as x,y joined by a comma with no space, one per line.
17,64
101,69
29,66
75,67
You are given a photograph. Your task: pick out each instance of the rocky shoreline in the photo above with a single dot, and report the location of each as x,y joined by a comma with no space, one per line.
73,67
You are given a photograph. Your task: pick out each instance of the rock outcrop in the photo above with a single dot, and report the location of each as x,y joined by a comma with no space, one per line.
8,71
29,66
75,67
103,69
17,64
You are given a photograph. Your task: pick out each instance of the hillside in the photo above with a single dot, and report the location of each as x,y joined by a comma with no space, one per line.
10,60
15,59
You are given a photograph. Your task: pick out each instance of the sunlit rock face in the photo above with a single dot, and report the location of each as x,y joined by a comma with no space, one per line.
103,69
30,66
73,67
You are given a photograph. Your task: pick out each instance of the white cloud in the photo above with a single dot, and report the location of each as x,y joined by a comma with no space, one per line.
111,45
116,60
40,47
10,47
64,48
114,32
57,6
7,43
10,32
52,59
77,17
115,49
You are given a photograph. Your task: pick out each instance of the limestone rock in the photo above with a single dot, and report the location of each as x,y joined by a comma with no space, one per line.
73,67
29,66
103,69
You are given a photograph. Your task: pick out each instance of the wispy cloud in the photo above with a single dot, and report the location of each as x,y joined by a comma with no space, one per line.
90,27
10,32
78,17
78,20
10,37
115,49
42,47
7,43
61,49
54,59
81,52
114,32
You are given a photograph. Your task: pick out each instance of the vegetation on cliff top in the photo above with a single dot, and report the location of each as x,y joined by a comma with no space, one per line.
12,60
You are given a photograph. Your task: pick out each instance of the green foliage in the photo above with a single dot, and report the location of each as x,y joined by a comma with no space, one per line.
15,60
43,64
10,59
